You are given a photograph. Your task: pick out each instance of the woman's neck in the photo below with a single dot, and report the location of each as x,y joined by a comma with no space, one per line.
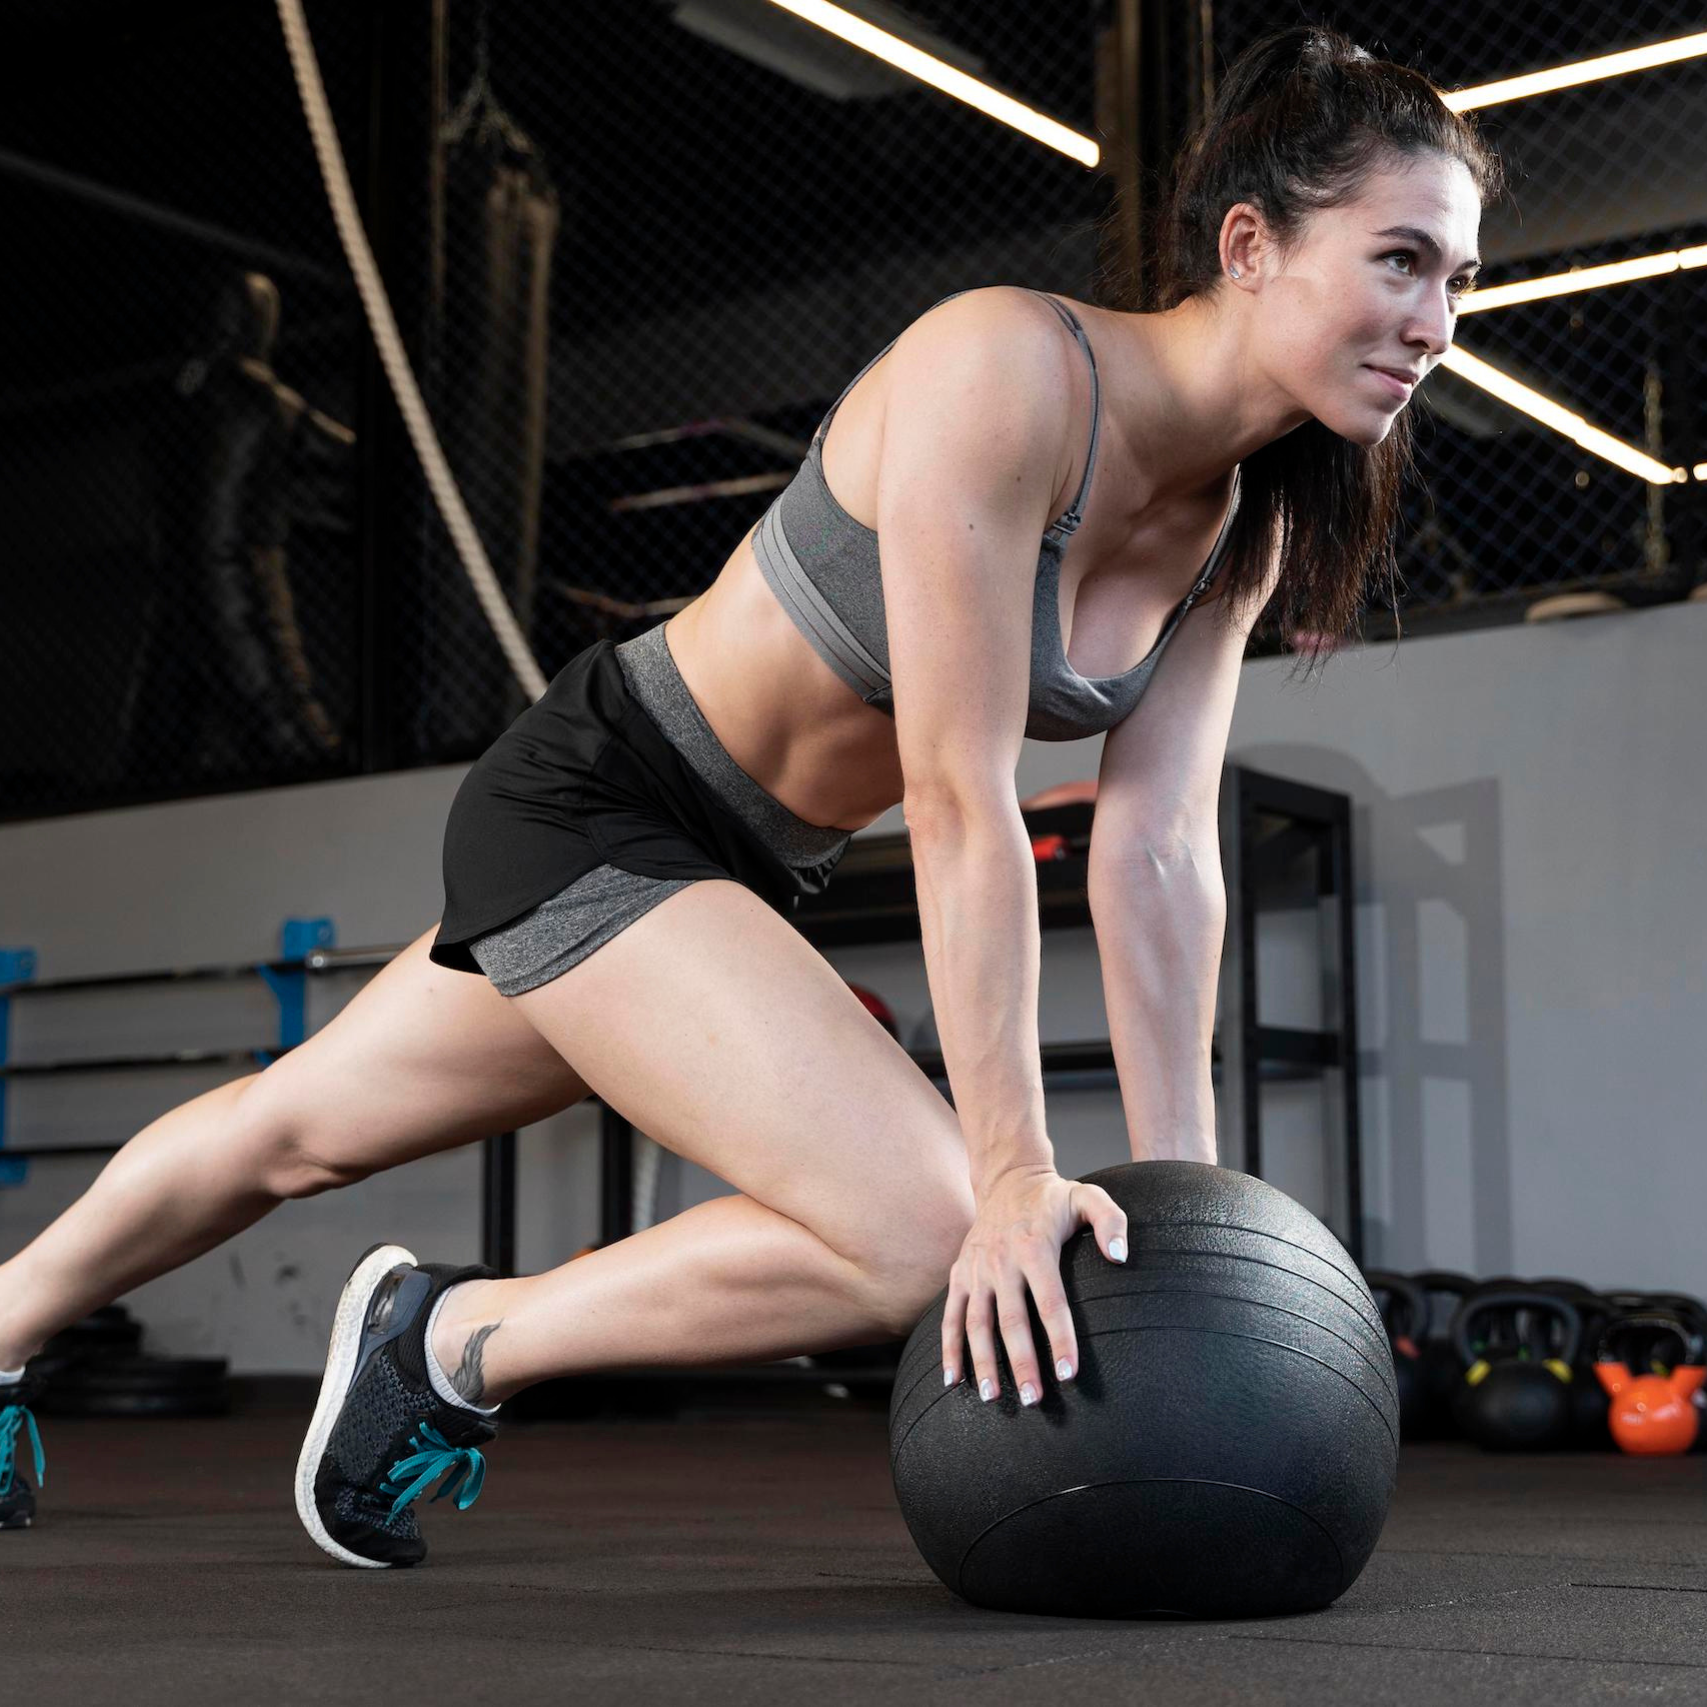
1190,400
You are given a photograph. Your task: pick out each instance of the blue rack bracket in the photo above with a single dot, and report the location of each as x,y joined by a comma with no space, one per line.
17,966
297,937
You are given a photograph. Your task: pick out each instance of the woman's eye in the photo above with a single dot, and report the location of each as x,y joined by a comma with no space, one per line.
1463,280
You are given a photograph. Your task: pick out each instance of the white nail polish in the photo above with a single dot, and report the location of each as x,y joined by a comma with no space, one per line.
1117,1249
1064,1369
984,1389
1028,1394
948,1377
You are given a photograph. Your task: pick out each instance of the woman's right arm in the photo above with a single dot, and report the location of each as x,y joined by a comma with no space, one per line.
972,457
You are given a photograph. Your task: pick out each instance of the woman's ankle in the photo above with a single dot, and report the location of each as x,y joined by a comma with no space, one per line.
461,1324
15,1351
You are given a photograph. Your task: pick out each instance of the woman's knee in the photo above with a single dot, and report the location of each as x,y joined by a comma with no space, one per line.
289,1159
911,1266
420,1061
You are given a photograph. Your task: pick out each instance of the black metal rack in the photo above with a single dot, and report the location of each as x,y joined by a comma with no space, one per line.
1272,828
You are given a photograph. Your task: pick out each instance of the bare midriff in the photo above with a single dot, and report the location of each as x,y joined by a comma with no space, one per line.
804,735
784,716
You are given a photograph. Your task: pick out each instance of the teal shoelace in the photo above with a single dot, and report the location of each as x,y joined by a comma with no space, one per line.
13,1418
433,1457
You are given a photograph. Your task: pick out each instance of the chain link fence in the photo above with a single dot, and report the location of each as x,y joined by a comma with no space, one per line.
660,247
635,253
177,442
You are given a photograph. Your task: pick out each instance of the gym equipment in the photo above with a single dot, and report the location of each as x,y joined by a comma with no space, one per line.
1627,1298
1652,1414
1441,1370
1589,1430
1515,1396
1694,1312
94,1368
1404,1312
133,1386
109,1331
1685,1303
102,1333
1227,1450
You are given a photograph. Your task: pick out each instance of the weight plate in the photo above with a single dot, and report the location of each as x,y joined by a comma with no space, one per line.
206,1401
147,1374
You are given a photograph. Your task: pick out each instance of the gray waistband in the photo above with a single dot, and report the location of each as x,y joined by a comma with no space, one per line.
654,680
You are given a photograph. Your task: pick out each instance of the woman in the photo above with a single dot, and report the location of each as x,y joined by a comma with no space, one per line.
616,862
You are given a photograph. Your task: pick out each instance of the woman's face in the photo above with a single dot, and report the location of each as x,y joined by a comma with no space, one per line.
1354,296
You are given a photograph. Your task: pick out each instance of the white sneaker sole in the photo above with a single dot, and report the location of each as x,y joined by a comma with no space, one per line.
341,1355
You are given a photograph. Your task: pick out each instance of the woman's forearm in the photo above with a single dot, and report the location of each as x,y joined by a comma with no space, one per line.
1159,940
977,889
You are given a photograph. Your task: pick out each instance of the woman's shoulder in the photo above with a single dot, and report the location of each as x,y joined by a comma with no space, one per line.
999,330
997,306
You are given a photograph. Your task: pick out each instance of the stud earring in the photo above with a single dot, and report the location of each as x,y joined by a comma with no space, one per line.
1234,271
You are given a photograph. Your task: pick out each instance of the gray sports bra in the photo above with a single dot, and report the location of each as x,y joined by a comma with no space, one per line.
822,565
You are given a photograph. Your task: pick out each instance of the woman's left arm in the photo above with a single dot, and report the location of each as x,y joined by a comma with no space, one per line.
1159,938
1158,899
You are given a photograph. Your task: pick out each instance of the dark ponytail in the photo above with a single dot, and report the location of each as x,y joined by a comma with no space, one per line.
1299,121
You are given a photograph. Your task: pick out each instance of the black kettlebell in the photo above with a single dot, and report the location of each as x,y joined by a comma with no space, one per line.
1404,1314
1515,1396
1590,1430
1440,1369
1686,1304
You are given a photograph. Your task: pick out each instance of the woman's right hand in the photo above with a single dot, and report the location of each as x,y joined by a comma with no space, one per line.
1024,1218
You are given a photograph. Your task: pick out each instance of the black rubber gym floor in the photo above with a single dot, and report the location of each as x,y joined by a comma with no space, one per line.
739,1557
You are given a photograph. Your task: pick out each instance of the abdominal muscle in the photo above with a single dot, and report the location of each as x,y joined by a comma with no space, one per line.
784,716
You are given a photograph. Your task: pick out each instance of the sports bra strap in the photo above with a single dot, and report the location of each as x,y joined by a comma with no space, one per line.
824,425
1069,521
1075,512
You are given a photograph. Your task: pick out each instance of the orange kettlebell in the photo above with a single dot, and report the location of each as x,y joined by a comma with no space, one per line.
1652,1414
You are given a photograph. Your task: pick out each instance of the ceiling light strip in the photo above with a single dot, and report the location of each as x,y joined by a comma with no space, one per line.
915,62
1562,420
1579,72
1583,278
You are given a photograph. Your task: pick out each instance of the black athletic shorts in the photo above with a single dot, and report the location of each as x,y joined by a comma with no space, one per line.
615,767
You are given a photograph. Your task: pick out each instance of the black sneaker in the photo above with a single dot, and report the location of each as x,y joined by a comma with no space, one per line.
381,1435
17,1497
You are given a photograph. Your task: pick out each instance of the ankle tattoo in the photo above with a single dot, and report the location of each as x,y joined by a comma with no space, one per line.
469,1377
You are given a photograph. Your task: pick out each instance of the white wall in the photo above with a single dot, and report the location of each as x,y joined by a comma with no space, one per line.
1530,825
1532,936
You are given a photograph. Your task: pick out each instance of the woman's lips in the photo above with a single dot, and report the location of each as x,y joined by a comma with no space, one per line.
1398,387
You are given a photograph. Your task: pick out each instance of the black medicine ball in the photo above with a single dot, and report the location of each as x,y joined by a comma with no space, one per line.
1227,1450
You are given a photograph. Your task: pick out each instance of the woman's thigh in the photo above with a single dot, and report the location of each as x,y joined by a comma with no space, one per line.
721,1033
422,1059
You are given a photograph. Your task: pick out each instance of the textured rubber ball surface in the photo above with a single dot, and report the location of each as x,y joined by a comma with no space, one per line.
1227,1450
